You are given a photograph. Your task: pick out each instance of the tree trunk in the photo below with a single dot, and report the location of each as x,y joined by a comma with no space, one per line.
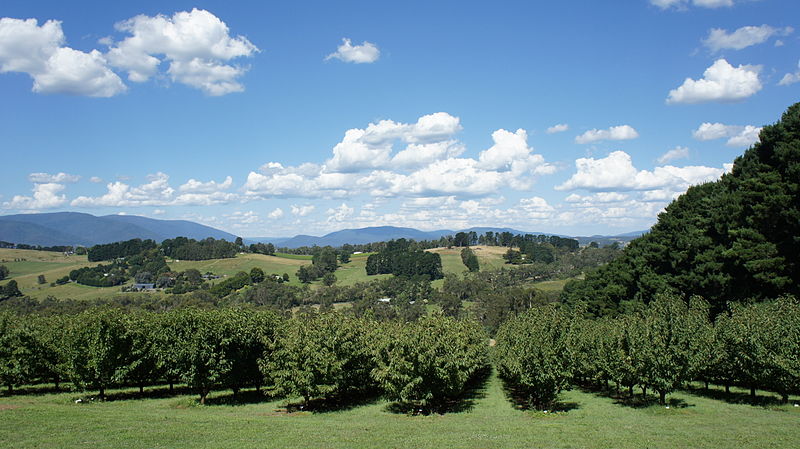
235,392
784,398
57,383
630,391
171,386
706,385
727,389
141,389
10,389
203,394
753,393
662,397
102,394
644,392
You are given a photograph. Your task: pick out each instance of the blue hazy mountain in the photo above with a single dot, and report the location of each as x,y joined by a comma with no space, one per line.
73,228
384,233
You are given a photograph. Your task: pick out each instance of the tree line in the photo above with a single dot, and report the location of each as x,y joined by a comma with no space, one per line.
661,347
56,248
421,365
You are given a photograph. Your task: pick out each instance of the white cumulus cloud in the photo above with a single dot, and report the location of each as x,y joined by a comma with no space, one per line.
45,196
196,44
302,211
790,78
721,82
158,192
683,4
60,178
340,213
560,128
195,186
738,136
39,51
746,36
616,172
622,132
429,139
276,214
673,154
365,53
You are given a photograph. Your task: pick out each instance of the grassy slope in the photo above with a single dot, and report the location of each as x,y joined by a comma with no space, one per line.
54,420
243,262
56,265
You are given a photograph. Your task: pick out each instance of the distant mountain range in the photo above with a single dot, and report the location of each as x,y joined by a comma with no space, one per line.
73,228
384,233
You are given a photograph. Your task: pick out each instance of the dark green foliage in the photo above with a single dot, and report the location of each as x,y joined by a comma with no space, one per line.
3,272
470,260
231,284
150,261
305,274
321,356
117,250
533,354
329,279
247,337
183,248
256,275
10,290
261,248
271,293
98,350
401,259
99,276
324,261
17,352
428,363
730,240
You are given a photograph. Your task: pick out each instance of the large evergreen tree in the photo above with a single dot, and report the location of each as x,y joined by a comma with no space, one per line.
732,239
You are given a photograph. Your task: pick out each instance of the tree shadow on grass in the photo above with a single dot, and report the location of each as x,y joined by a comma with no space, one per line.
333,404
243,397
521,400
638,400
148,393
474,390
736,397
36,390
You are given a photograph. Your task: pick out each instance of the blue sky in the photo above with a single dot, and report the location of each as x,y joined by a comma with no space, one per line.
274,119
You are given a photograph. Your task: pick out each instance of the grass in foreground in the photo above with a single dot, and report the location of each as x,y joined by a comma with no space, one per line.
490,420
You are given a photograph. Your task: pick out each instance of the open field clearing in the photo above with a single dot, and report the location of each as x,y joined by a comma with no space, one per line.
243,262
487,420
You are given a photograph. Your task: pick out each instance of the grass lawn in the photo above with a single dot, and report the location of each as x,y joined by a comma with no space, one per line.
244,262
488,420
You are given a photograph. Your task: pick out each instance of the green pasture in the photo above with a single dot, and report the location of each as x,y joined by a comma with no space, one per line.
483,419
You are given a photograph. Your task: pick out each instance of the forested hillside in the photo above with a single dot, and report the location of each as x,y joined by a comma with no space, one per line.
734,239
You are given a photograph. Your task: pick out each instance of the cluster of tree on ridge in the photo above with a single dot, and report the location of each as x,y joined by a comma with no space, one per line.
57,248
401,258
